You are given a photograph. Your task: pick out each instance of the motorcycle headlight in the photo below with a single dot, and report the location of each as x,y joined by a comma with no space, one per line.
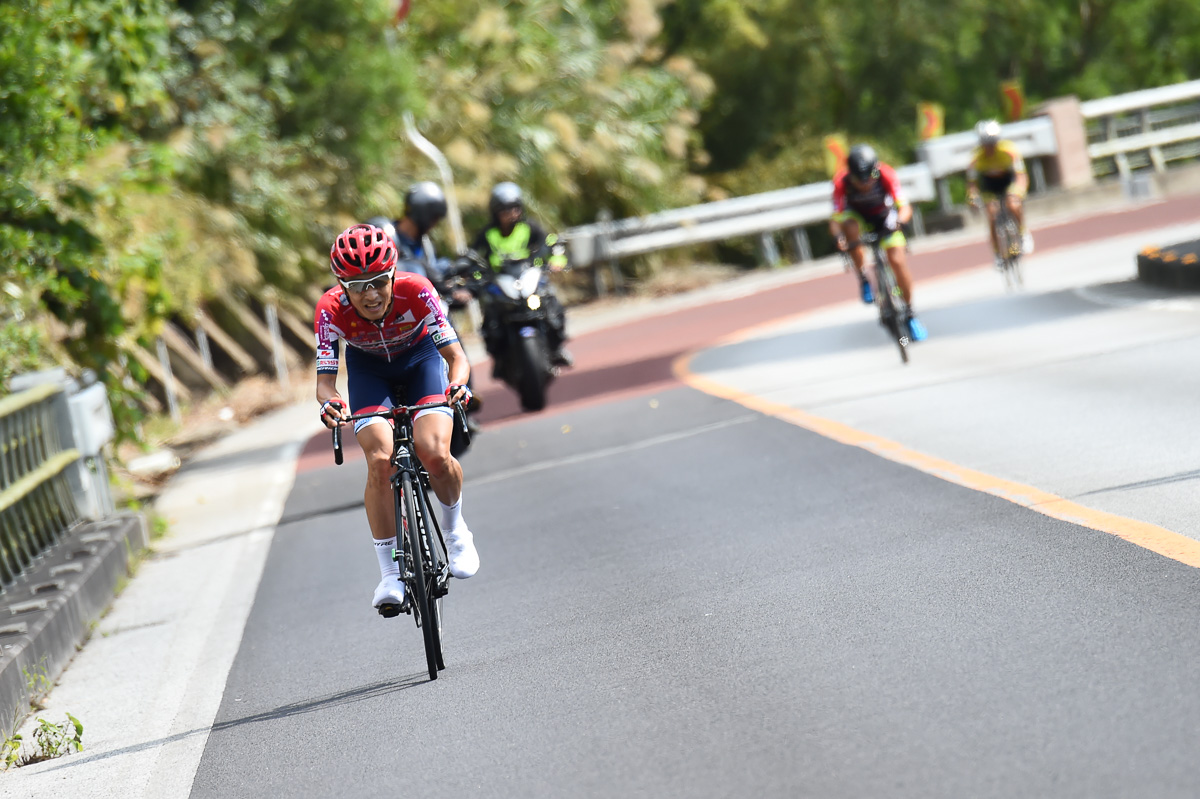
535,302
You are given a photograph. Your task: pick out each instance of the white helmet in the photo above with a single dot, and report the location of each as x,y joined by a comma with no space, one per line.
988,132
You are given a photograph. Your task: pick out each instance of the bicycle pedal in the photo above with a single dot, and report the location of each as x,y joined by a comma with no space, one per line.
390,610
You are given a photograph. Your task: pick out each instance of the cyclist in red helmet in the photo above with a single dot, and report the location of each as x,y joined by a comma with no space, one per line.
396,335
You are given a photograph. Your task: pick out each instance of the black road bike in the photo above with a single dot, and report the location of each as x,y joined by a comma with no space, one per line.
1008,234
420,546
893,310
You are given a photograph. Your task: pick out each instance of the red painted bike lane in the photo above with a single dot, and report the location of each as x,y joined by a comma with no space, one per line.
636,356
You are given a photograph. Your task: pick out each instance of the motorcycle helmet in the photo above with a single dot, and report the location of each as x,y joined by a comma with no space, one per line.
425,205
504,196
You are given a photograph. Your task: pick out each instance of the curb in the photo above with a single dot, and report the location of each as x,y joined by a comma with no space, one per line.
48,613
1176,266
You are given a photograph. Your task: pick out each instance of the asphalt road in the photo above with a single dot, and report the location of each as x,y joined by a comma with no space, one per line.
683,597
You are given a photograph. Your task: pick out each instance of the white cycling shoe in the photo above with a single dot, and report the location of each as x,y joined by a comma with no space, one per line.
389,597
461,554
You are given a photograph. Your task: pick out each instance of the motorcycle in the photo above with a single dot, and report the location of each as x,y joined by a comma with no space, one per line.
515,298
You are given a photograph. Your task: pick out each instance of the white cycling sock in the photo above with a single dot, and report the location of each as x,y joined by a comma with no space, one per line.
383,551
452,515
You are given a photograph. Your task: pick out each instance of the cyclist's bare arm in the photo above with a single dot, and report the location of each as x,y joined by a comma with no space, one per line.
456,361
326,391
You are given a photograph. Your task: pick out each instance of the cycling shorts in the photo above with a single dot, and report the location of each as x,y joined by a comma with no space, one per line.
417,376
887,240
992,187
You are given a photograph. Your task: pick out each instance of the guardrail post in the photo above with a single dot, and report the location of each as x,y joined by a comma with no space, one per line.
1037,173
278,353
767,249
202,345
164,360
1123,169
943,193
918,222
603,257
801,244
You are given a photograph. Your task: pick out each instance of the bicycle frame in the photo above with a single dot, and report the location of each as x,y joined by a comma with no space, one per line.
892,307
1008,237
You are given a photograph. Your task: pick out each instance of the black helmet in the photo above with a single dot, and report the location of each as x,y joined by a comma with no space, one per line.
862,162
386,225
505,195
425,205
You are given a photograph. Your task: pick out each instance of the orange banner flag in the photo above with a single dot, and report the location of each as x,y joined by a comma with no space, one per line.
1014,100
836,149
931,120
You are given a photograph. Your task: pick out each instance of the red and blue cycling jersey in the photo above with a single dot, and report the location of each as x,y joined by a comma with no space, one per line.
414,315
872,201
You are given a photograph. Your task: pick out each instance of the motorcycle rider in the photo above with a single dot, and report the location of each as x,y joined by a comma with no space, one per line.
424,208
512,236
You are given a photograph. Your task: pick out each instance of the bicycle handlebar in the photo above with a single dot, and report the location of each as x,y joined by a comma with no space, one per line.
397,412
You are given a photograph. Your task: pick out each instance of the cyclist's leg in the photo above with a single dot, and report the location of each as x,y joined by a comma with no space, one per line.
426,382
992,207
852,230
1015,199
852,225
368,386
369,391
897,255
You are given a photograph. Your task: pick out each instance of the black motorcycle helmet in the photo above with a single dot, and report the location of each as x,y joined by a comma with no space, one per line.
862,162
505,195
425,205
387,226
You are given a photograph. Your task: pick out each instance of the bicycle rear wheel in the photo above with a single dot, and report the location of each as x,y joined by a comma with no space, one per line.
426,613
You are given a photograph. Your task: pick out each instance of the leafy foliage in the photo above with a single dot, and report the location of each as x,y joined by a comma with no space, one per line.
159,154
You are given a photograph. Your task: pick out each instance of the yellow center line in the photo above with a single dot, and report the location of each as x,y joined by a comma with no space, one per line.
1143,534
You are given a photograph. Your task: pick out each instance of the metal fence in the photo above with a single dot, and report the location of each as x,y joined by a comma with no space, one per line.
758,214
1146,129
36,502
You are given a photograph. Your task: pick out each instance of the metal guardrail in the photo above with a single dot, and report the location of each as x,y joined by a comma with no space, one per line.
36,502
758,214
1149,128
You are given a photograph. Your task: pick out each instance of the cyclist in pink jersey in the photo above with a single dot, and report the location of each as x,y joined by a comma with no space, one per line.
867,194
396,338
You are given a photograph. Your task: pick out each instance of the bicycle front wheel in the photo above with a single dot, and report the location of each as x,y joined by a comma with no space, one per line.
437,568
891,307
1010,243
422,601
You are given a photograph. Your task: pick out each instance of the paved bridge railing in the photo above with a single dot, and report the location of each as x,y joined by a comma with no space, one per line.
36,503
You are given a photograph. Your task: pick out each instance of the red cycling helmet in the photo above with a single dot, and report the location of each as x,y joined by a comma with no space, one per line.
361,249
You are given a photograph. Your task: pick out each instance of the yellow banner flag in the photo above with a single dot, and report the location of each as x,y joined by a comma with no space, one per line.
931,120
1014,100
836,149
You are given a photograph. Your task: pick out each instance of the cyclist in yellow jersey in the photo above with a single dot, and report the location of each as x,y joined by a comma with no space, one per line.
997,172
